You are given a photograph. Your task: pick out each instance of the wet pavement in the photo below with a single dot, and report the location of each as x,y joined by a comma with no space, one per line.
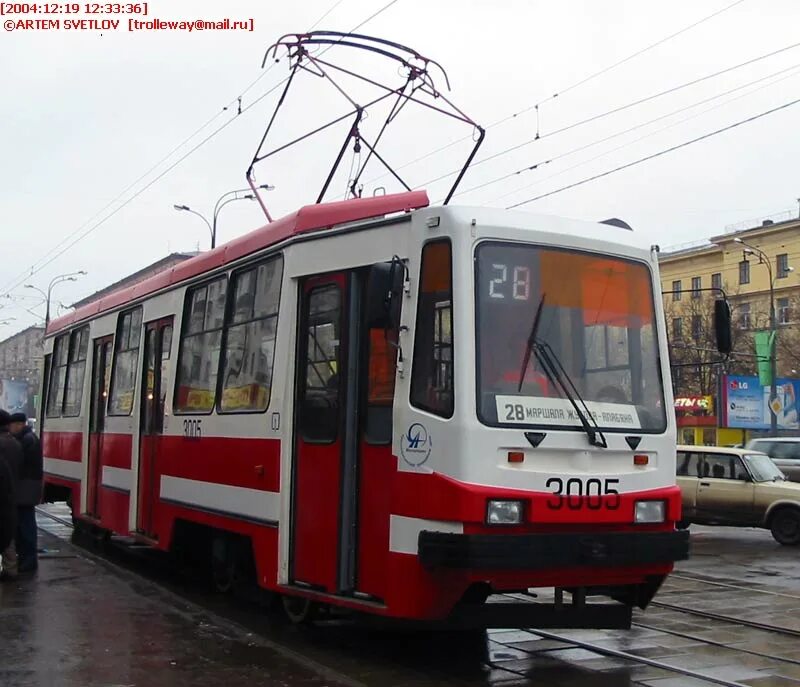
85,621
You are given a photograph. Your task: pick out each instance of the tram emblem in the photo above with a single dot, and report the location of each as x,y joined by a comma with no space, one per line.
415,444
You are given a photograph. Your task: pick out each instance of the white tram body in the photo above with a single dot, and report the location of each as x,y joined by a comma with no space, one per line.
366,400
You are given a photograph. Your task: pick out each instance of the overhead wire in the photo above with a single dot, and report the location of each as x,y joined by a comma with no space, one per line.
166,157
615,110
64,248
655,155
573,86
792,73
591,144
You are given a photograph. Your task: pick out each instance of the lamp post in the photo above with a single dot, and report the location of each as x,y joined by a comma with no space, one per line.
223,200
763,258
71,276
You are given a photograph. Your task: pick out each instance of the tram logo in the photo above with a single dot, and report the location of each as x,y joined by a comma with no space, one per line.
415,444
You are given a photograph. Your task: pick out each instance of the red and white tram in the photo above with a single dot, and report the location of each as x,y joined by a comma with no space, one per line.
389,407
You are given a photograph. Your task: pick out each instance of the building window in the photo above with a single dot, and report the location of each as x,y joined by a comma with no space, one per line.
250,338
697,284
782,263
783,311
677,328
716,280
126,359
744,272
76,370
676,290
744,315
201,343
697,327
432,374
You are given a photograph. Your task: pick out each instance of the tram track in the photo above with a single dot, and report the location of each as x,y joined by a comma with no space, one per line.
566,639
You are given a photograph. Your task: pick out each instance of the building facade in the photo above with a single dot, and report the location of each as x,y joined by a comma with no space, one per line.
20,369
690,279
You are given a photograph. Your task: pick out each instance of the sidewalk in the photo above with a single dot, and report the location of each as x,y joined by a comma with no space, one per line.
82,623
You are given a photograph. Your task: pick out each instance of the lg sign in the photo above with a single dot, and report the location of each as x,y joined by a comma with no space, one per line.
738,385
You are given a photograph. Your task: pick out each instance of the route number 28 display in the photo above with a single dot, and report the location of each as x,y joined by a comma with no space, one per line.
571,493
519,287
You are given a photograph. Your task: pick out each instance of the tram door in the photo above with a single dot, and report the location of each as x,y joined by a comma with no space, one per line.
101,377
324,400
157,345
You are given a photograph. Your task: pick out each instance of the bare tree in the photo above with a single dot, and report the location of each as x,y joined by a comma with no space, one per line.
694,360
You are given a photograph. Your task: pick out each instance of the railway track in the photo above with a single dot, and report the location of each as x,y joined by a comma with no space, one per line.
63,525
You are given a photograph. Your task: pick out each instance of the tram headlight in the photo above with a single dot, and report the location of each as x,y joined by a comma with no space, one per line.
504,512
649,511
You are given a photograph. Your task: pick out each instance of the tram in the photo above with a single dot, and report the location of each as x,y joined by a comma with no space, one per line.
398,409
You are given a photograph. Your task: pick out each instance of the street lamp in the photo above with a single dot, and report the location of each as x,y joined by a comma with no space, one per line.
221,202
71,276
763,258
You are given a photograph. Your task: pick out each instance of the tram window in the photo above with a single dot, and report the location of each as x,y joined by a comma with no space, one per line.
126,359
380,385
76,369
58,376
201,342
432,374
319,412
250,338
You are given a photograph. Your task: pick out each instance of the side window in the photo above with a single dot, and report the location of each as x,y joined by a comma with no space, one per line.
432,373
382,363
319,415
720,466
76,369
250,338
201,341
739,471
688,464
785,450
58,376
126,359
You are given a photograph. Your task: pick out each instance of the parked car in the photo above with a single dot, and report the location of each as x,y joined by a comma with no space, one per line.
784,451
727,486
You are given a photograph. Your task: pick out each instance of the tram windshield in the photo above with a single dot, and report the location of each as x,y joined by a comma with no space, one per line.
596,322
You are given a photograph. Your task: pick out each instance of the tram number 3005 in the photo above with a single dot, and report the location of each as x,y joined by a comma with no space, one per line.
571,493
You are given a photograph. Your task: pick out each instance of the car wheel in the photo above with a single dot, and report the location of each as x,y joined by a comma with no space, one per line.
785,527
682,525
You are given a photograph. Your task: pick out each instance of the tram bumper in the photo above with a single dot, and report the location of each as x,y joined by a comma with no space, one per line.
550,550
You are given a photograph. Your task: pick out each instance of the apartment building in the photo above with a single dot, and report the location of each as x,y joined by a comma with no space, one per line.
744,261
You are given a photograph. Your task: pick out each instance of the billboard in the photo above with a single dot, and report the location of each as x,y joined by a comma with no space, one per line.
745,403
14,395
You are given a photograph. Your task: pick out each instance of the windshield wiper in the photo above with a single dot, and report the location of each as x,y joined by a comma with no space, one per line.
559,377
526,358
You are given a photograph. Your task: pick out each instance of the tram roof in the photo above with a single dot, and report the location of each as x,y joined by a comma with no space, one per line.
305,220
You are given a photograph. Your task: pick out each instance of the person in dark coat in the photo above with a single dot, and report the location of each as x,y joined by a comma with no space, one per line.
29,492
8,507
11,457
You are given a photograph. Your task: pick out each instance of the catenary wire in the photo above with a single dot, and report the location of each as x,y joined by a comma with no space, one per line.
37,268
647,135
615,110
591,144
536,105
656,154
166,157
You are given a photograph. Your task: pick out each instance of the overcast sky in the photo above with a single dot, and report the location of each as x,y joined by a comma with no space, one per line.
86,113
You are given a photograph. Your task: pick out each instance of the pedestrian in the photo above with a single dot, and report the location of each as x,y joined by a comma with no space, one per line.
8,506
11,457
29,492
